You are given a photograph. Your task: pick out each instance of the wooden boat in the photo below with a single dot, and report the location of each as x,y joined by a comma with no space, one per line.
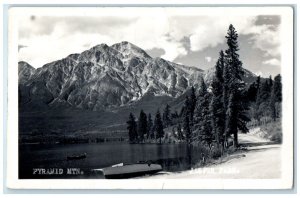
122,170
76,157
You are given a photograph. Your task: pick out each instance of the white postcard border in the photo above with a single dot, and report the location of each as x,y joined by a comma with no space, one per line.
285,182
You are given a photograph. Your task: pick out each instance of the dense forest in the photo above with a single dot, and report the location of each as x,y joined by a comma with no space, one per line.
213,115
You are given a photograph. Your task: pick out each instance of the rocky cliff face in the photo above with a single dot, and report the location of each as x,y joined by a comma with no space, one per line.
25,72
102,77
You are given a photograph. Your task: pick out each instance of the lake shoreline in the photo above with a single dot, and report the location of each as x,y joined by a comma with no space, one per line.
239,164
231,169
99,155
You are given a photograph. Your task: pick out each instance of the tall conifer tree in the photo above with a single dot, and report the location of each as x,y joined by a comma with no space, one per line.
216,106
203,128
150,133
277,88
193,101
275,98
158,126
236,117
186,120
132,130
142,125
167,116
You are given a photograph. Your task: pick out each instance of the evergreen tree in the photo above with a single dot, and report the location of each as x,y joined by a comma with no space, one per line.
186,107
217,109
158,126
232,61
225,87
206,129
193,101
278,94
203,128
150,133
257,82
251,92
270,82
186,120
265,91
219,68
142,126
231,121
167,116
272,105
198,111
182,111
236,116
179,131
258,87
263,99
277,88
174,116
257,101
186,128
236,108
275,97
242,111
131,126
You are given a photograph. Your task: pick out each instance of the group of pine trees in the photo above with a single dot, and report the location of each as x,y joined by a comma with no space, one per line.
218,112
145,128
265,98
215,113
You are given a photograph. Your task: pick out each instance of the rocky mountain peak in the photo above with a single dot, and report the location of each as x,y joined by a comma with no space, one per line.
105,77
102,46
24,65
130,50
25,71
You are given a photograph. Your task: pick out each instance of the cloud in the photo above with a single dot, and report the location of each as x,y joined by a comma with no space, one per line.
268,19
208,59
210,33
266,38
46,25
156,52
272,61
50,38
44,48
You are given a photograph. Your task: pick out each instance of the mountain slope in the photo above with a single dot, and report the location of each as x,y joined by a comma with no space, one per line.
112,81
105,77
25,72
248,77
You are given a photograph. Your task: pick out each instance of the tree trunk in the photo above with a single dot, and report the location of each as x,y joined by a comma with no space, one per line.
235,140
189,154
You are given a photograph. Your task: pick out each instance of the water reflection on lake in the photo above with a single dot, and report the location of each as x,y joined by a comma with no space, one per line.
172,157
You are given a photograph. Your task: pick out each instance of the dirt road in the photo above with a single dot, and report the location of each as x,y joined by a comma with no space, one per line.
262,160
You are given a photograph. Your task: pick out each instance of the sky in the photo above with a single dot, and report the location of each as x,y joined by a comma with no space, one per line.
189,38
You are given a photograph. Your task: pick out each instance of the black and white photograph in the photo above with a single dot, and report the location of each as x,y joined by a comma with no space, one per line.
140,94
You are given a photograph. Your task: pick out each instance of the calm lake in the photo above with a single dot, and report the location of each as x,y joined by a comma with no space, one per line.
172,157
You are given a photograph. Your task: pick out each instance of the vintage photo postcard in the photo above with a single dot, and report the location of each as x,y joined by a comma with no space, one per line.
150,98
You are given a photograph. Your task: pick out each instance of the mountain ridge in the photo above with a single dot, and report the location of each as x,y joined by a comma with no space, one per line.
97,89
104,77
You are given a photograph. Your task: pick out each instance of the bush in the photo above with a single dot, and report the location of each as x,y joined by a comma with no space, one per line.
277,137
273,131
216,152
